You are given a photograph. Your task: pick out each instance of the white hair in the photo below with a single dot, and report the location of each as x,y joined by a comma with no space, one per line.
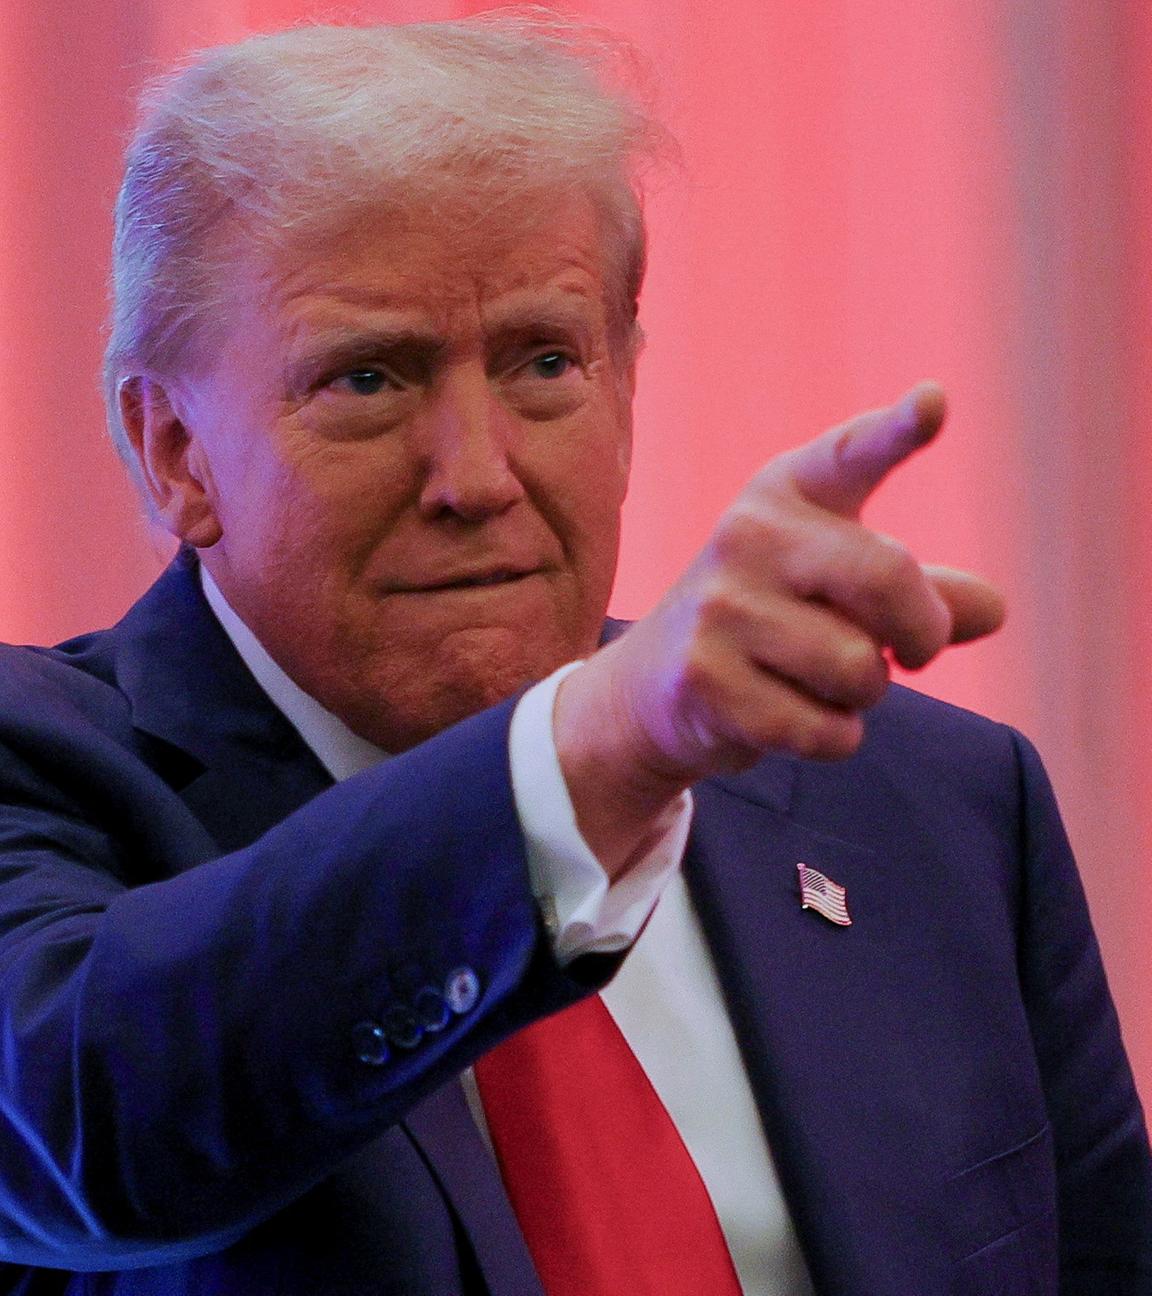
278,137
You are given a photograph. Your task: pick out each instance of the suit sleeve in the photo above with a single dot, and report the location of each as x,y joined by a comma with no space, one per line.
1103,1164
180,1059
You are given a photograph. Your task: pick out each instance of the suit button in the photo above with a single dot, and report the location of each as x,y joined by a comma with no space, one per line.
431,1011
462,990
371,1043
401,1027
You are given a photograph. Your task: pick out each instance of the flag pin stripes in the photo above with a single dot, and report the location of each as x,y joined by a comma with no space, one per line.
828,898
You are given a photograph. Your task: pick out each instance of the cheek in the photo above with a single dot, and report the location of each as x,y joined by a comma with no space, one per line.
605,477
263,504
306,497
580,479
617,451
588,513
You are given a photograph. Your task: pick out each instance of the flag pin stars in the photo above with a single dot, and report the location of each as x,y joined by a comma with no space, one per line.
828,898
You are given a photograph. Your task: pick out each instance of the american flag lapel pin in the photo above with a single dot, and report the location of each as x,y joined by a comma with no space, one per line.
828,898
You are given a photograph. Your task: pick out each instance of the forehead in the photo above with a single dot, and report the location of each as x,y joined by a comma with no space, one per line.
443,263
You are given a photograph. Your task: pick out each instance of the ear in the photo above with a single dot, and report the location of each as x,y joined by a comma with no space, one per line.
170,462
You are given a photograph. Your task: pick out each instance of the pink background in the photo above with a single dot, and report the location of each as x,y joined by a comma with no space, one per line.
872,193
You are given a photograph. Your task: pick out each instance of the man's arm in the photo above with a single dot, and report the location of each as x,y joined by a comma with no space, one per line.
180,1059
776,638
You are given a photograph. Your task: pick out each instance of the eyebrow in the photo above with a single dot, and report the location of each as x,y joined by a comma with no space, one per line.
542,321
332,348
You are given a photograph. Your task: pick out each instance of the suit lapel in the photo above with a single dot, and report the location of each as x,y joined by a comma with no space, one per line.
443,1128
819,1011
206,726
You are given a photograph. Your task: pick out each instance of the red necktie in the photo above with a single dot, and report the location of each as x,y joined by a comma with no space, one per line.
609,1200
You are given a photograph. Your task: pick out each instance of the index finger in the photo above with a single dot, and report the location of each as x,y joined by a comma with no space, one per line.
840,470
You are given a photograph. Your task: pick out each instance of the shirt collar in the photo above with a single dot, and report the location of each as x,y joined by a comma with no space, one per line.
341,752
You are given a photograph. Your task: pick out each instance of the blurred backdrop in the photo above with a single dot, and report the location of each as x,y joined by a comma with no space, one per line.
872,192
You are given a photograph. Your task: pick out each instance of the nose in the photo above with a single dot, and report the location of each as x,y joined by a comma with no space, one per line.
467,439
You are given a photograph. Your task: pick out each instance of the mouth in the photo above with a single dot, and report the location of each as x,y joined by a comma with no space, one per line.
487,579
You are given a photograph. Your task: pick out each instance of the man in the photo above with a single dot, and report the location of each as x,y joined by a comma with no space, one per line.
372,359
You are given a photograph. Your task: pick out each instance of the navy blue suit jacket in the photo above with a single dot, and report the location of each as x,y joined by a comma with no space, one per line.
193,924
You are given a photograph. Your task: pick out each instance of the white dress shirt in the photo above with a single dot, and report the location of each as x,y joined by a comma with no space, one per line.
665,999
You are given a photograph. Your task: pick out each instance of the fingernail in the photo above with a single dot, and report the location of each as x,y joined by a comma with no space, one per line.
922,408
906,408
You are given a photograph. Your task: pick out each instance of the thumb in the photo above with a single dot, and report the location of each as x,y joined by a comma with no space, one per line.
977,608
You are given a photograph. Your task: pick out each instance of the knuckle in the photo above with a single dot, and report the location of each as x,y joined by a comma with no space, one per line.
719,606
862,671
781,728
892,567
797,724
892,600
697,678
845,669
735,533
750,529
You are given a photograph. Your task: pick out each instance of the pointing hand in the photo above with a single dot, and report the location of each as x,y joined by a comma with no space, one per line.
777,637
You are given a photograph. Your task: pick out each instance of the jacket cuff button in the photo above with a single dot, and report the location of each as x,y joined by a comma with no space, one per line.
462,990
432,1012
371,1043
402,1028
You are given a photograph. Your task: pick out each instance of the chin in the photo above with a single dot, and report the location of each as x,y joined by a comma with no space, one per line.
463,674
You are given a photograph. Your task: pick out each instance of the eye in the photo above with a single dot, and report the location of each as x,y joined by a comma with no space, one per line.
547,384
363,382
552,364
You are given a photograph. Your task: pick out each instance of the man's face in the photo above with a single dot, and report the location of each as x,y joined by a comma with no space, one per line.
413,440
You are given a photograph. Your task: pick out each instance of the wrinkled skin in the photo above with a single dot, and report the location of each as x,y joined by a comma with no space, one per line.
404,460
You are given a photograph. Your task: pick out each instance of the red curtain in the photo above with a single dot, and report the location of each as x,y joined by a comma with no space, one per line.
870,194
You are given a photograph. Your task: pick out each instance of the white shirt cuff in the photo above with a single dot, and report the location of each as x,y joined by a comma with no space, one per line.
583,913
